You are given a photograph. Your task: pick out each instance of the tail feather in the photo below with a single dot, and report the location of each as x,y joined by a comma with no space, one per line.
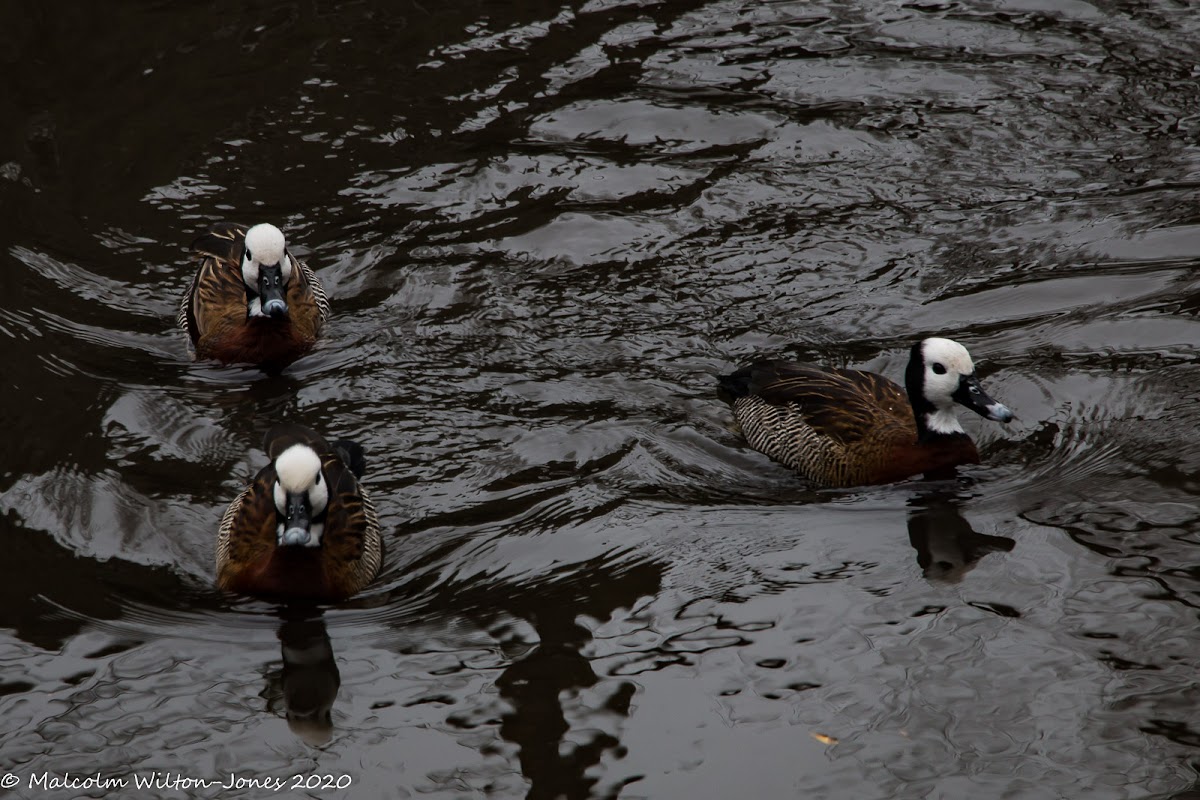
737,384
352,455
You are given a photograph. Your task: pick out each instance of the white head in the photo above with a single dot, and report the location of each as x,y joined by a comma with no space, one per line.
266,270
941,374
301,494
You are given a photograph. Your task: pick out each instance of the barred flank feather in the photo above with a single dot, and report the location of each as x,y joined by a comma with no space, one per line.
227,521
318,290
372,557
782,434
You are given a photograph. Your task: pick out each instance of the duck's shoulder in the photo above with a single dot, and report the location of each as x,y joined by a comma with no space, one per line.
350,507
223,241
254,506
216,289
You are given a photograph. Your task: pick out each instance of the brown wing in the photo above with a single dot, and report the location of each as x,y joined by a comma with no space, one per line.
846,405
248,529
216,296
352,543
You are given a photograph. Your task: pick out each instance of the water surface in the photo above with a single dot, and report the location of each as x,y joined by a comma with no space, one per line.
546,228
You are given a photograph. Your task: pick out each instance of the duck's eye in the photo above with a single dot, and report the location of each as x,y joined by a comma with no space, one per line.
939,369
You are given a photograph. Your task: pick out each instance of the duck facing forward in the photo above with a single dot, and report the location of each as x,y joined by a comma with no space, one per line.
251,301
304,529
844,427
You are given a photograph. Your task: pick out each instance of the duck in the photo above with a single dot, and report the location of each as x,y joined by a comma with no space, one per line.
250,300
845,427
304,529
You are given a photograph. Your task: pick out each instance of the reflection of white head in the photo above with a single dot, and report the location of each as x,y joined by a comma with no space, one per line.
944,362
265,246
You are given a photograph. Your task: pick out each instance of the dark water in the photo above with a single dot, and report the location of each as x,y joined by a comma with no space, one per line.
545,228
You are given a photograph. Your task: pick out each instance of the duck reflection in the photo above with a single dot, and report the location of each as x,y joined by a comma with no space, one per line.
537,684
946,544
537,724
306,686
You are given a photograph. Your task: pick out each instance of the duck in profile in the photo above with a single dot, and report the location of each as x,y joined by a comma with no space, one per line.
844,427
251,301
305,528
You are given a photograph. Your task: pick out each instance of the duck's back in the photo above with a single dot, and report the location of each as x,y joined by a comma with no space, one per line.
837,427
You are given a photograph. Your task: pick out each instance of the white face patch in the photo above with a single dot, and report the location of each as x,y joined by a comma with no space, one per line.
264,245
298,468
945,362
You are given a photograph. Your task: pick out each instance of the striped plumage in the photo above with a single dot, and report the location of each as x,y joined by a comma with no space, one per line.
257,548
221,313
845,427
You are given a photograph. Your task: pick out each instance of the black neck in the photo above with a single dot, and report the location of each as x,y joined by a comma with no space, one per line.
914,384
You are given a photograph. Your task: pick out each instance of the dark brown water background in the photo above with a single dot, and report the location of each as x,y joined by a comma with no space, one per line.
545,228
